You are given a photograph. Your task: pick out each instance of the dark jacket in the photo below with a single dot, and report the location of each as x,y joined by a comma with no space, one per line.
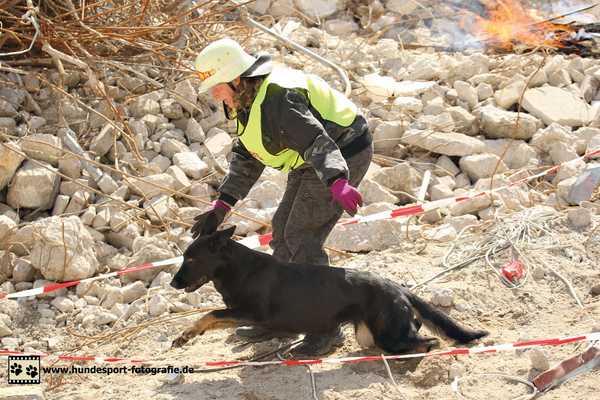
289,122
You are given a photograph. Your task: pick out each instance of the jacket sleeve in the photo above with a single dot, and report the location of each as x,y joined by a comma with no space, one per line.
301,130
244,171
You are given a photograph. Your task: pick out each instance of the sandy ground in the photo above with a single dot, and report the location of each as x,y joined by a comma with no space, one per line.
542,308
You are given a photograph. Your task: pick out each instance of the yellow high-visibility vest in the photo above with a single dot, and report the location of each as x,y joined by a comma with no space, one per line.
331,105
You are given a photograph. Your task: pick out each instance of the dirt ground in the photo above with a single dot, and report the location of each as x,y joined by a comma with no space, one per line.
542,308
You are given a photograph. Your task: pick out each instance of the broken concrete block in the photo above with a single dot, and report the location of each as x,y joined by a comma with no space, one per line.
509,95
194,132
552,104
152,185
64,250
450,144
373,192
9,162
479,166
191,164
219,143
497,124
104,140
33,186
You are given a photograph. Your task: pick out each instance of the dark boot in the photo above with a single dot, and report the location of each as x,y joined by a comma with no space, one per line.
317,344
257,334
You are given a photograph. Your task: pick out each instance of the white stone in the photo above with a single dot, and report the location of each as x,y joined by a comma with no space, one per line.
470,206
133,291
267,194
96,316
447,165
152,185
552,104
387,135
33,186
515,153
104,140
442,297
580,217
339,27
191,164
64,250
171,108
496,123
161,162
439,191
63,304
467,93
461,222
319,8
510,94
444,233
219,143
479,166
157,305
484,91
187,96
43,147
169,147
464,121
450,144
373,192
9,162
159,208
194,131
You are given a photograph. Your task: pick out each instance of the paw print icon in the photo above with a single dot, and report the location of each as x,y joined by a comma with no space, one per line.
32,371
16,369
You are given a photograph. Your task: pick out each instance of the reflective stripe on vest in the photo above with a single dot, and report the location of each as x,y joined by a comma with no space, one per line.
331,105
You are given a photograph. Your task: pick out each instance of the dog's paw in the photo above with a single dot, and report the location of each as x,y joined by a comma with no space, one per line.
180,341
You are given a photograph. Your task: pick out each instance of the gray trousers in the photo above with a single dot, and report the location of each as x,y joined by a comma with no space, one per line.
307,213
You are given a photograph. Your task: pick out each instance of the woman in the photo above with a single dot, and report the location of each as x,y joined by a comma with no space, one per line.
294,122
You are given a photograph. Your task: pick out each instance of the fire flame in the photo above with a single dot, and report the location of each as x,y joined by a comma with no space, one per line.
510,23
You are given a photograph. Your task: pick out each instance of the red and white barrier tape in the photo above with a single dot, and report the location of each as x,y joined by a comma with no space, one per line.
262,240
57,286
589,337
258,241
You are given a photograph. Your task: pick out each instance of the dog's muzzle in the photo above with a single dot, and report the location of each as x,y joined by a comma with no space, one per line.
195,286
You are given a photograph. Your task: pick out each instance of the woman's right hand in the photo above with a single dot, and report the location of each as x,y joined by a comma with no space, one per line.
208,222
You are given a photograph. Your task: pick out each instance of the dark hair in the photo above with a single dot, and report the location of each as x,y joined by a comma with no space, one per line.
246,91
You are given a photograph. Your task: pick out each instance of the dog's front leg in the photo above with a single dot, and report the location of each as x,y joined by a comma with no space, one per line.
218,319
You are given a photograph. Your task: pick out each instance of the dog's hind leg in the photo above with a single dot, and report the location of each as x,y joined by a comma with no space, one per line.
218,319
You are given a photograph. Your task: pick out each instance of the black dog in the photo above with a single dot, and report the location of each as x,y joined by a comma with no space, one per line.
260,290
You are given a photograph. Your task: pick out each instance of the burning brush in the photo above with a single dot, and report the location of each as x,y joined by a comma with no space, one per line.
510,26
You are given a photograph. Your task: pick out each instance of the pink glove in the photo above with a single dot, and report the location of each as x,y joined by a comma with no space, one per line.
346,195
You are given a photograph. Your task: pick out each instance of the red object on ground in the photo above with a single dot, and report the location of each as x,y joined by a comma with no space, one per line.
568,369
513,271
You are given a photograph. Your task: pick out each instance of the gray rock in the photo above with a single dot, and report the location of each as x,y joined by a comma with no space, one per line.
515,153
152,185
43,147
194,131
580,217
187,96
157,305
510,94
539,359
467,93
470,206
219,143
63,304
171,109
169,147
7,109
373,192
23,271
443,297
182,183
133,291
584,186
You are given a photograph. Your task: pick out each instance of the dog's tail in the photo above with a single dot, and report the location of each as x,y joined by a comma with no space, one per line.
442,324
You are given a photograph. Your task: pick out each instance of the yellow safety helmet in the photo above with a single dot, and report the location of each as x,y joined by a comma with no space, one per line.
224,60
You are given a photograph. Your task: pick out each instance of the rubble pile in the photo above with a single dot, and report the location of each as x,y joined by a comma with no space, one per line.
476,121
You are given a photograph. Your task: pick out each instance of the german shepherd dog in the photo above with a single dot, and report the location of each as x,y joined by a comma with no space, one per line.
260,290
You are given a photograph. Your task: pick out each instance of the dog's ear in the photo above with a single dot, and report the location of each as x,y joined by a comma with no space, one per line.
220,238
227,233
